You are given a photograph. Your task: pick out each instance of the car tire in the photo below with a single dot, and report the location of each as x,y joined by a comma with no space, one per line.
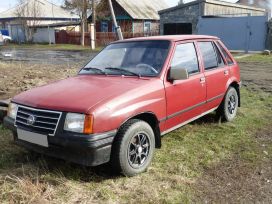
229,106
133,148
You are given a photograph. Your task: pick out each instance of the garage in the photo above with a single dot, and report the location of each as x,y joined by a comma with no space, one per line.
183,19
177,28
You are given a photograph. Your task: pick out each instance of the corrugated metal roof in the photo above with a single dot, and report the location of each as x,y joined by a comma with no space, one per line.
223,3
45,9
143,9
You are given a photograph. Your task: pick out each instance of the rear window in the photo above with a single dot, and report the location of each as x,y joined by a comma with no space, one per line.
226,55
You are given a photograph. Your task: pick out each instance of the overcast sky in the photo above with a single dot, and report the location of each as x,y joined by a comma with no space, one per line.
6,4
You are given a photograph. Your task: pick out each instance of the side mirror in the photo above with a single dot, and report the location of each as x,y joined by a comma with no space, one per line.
178,74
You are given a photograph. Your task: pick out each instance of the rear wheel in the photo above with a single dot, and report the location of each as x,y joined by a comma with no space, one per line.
228,108
134,148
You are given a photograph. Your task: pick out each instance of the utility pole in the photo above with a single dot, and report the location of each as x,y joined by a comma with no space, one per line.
118,28
93,12
93,27
83,22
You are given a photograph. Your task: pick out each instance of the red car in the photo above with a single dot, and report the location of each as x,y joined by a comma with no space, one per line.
120,104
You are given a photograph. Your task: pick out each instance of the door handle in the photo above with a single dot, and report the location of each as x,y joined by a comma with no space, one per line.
202,80
226,72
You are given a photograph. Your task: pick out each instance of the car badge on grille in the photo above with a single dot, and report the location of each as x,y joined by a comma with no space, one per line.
31,120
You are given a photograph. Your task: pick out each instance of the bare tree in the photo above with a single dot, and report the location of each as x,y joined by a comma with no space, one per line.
80,7
181,2
28,13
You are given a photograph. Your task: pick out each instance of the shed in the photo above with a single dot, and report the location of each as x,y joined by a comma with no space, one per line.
183,19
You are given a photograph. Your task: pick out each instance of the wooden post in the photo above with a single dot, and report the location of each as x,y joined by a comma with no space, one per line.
93,26
92,36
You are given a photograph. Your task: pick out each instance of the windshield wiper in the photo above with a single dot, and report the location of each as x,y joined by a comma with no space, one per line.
96,69
123,70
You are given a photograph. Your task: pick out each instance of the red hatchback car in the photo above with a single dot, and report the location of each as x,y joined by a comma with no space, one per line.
120,104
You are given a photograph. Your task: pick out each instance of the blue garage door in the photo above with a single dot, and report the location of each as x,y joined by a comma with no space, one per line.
238,33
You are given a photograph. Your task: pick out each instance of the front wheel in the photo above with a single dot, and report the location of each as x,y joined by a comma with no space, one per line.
134,148
228,108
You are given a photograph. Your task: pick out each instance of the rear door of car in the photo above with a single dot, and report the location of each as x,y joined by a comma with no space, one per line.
185,98
216,72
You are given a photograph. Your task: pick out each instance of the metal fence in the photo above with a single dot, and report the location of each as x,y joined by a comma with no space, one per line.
238,33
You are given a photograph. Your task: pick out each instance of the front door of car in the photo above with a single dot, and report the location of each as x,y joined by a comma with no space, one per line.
216,73
185,98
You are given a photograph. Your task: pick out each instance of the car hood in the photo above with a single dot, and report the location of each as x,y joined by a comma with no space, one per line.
78,94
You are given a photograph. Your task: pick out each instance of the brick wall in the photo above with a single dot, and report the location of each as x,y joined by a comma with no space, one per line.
188,14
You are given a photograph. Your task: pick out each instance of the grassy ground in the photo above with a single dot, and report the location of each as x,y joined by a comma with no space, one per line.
174,176
257,58
206,161
60,47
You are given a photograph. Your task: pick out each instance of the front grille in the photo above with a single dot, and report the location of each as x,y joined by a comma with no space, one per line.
37,120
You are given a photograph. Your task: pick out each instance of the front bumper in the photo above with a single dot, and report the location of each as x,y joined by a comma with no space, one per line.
88,150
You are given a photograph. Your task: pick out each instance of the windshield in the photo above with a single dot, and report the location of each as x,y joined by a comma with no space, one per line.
139,58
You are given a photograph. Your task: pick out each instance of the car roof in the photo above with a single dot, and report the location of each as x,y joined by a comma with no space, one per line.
173,38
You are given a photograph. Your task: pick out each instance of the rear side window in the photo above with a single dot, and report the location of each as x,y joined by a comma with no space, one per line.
226,55
220,60
209,55
185,57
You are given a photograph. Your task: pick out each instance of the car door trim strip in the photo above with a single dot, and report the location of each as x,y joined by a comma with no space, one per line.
191,108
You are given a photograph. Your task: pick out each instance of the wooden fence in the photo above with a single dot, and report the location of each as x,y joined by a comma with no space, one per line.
102,38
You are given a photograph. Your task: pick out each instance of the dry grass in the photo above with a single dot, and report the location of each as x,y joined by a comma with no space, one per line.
18,77
187,165
177,169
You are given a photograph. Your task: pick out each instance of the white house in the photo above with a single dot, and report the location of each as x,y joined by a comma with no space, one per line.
36,20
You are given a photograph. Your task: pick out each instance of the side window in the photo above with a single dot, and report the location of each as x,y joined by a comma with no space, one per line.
209,55
185,58
226,55
220,60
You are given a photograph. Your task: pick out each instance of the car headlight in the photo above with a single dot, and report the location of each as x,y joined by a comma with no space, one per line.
80,123
12,110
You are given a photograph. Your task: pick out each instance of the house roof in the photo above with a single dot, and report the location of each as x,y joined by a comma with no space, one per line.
223,3
43,10
143,9
266,4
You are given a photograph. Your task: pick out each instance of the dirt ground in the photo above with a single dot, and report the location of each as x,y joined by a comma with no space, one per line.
20,76
17,77
238,181
257,74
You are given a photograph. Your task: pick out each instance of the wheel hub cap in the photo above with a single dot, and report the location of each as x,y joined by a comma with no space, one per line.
232,104
138,150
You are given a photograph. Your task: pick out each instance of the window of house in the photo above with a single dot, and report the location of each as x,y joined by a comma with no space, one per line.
147,28
113,28
185,57
209,55
226,55
104,26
